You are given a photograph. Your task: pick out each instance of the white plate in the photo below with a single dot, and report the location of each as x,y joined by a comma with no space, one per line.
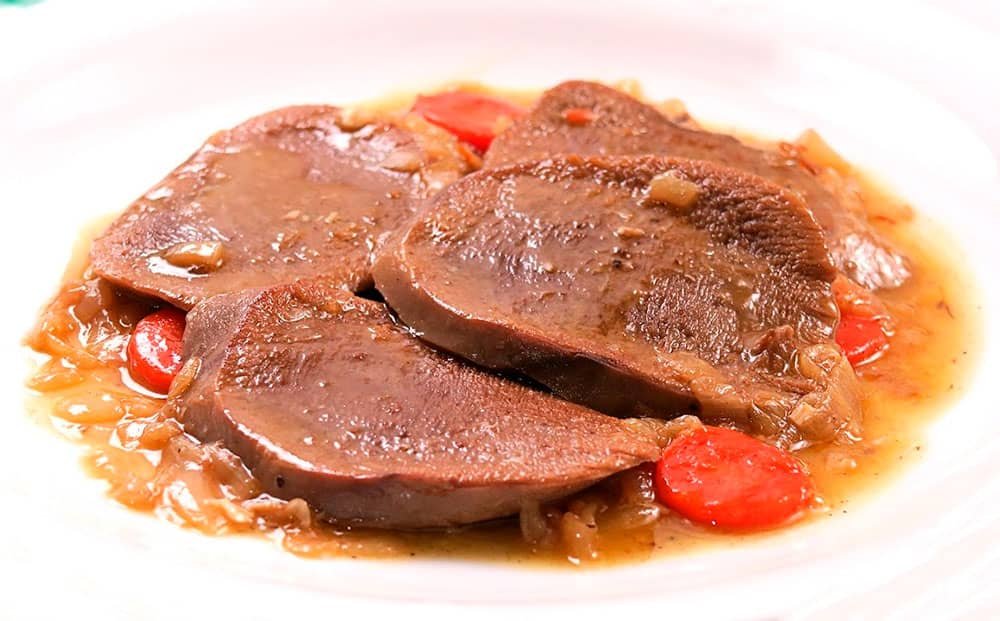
98,101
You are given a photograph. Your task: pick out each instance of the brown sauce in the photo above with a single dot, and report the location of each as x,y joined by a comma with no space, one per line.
84,389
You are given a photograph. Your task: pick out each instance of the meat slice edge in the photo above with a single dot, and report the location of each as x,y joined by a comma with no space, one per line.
326,398
622,125
569,272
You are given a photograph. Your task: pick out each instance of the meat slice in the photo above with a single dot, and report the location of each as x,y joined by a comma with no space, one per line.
617,124
296,193
326,398
636,286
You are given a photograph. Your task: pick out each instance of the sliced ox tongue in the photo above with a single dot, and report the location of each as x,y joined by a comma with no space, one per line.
299,192
326,398
637,286
617,124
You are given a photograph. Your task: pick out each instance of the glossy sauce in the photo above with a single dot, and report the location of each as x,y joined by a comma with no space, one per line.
151,466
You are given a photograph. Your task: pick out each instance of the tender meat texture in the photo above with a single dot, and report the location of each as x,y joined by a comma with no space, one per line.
622,125
284,196
325,398
568,271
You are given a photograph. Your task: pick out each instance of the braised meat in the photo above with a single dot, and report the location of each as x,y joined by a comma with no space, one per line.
585,118
326,398
637,286
295,193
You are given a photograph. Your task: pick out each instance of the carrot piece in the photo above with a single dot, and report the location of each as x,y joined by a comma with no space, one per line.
862,339
865,323
578,116
471,117
724,478
154,350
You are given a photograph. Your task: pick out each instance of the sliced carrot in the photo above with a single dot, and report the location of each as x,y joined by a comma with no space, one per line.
154,350
861,338
471,117
724,478
578,116
865,323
